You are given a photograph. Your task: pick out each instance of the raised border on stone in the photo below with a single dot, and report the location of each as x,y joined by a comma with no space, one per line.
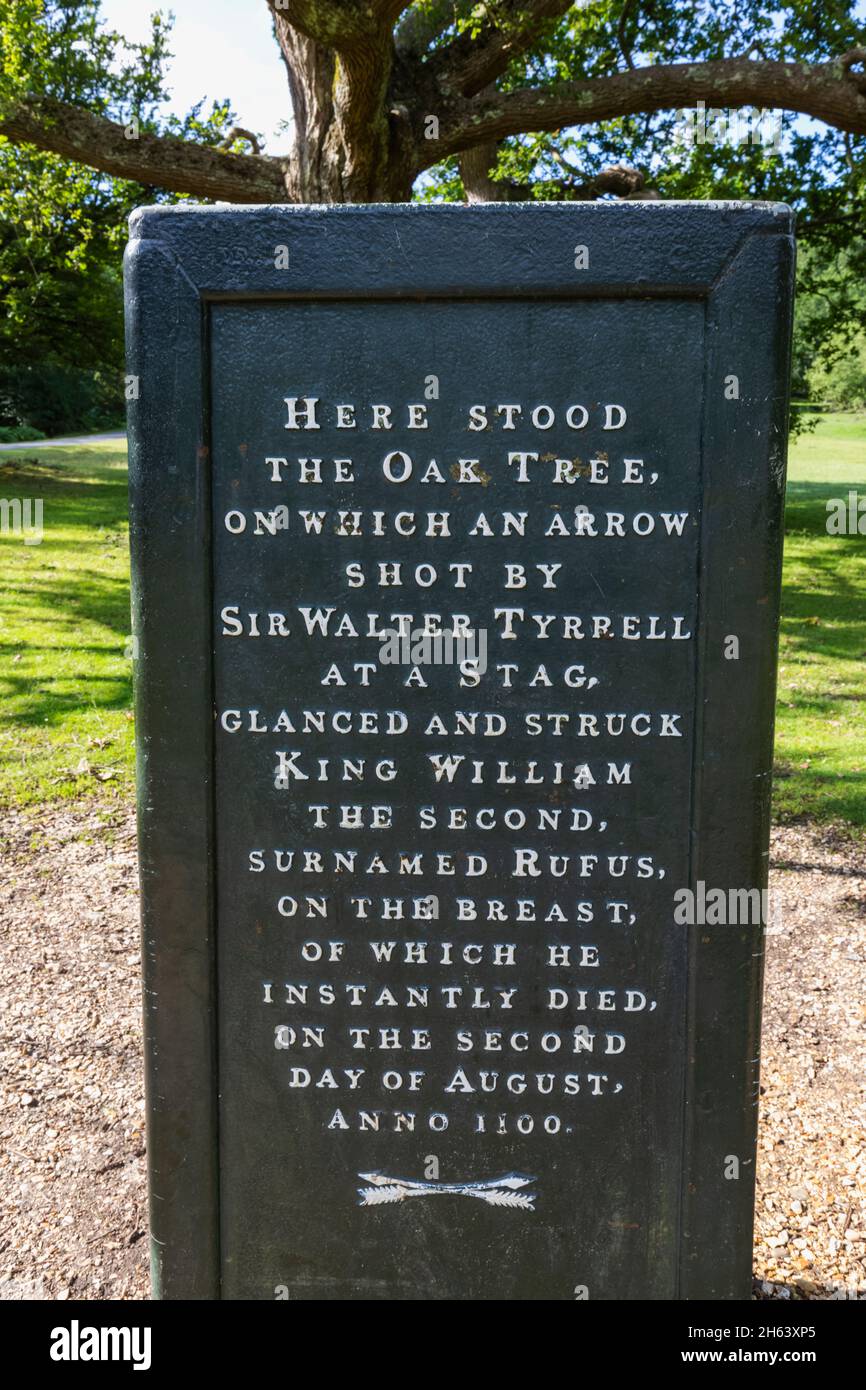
738,258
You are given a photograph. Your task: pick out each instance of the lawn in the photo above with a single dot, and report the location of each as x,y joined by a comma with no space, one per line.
820,723
65,669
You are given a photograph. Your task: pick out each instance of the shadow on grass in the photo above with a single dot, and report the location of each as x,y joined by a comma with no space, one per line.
98,598
823,647
57,591
823,613
41,708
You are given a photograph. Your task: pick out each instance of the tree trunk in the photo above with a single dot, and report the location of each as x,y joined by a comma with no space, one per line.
475,166
352,144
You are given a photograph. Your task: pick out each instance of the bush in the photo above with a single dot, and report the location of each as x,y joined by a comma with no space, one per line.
48,399
842,385
18,434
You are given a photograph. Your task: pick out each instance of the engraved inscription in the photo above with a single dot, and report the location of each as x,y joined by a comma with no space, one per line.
454,718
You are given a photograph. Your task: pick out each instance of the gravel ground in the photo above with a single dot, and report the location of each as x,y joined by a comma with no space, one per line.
73,1223
810,1238
72,1175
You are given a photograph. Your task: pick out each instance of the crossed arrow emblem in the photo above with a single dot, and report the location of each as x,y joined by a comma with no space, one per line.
497,1192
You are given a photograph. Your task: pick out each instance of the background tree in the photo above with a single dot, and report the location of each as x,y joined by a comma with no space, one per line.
381,90
63,224
443,99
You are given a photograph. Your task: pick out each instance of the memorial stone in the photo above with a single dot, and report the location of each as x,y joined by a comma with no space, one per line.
456,544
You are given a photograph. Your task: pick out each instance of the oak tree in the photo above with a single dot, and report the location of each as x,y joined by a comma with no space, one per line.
379,91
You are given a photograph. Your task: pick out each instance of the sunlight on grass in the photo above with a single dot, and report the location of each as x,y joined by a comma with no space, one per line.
65,682
820,725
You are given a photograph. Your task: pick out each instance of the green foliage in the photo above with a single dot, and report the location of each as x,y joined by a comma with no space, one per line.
62,225
820,172
18,434
61,334
61,347
842,385
62,48
829,340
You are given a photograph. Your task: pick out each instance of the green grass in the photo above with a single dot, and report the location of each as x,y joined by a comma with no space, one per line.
65,676
820,721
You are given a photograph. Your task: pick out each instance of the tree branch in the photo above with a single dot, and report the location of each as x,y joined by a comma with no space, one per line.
338,26
832,219
855,56
620,179
163,161
419,27
342,26
623,181
470,63
389,11
624,45
238,132
831,92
